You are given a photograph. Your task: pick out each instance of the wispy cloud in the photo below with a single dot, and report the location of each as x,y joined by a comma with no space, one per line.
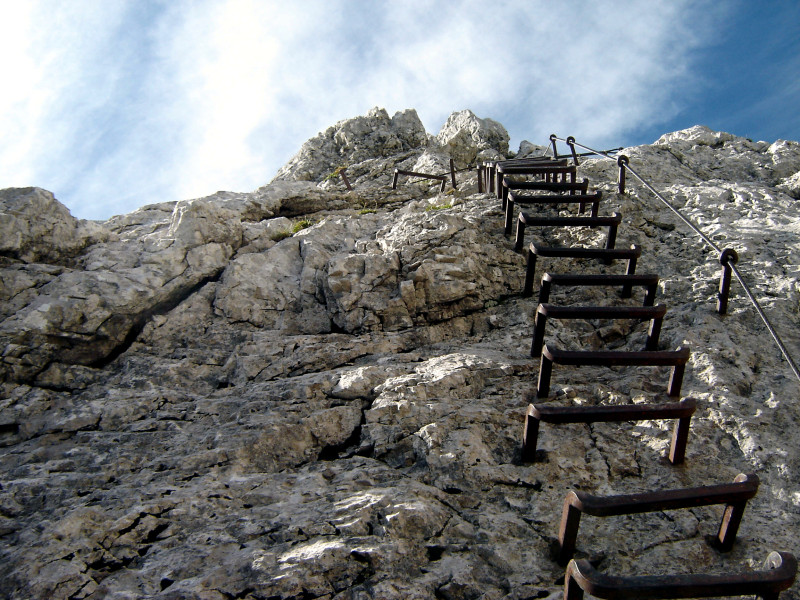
117,104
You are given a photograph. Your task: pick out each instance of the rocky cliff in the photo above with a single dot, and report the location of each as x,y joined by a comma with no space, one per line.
310,392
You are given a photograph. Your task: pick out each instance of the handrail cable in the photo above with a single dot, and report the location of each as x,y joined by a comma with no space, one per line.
623,162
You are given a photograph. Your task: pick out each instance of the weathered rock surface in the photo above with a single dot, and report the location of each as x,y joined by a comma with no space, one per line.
465,136
36,228
200,402
354,141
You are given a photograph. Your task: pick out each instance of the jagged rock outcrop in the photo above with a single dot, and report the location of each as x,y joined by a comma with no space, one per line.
354,141
465,137
37,228
214,399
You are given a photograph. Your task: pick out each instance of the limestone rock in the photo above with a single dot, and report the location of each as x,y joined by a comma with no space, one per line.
197,402
35,227
464,136
354,141
791,185
84,315
526,150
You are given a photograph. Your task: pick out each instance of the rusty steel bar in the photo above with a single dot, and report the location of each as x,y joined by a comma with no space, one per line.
572,187
591,151
548,174
734,495
725,258
562,188
552,181
631,254
542,170
623,162
779,574
513,198
558,415
526,220
648,281
585,154
676,359
453,174
344,179
442,178
541,161
491,167
483,170
654,314
553,139
571,144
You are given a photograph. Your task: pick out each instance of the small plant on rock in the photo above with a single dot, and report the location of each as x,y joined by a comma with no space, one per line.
439,206
300,225
335,173
281,234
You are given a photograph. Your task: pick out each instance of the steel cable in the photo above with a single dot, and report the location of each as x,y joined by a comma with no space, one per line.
707,240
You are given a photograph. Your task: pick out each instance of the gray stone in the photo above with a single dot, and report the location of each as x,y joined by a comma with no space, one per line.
464,135
354,141
35,227
194,406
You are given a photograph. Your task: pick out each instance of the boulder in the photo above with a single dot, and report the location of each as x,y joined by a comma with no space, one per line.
35,227
464,136
354,141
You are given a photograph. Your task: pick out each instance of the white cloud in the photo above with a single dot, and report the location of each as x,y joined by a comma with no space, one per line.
117,104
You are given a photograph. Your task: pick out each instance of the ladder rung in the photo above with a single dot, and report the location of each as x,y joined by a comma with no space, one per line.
649,281
677,359
593,198
607,255
655,314
611,358
527,220
779,575
558,415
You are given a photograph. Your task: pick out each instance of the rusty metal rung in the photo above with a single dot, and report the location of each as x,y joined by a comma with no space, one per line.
535,168
681,411
491,167
655,314
526,220
549,173
648,281
397,172
779,574
734,495
676,359
345,180
535,250
592,198
561,187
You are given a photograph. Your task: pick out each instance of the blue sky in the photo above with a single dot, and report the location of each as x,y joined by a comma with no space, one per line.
114,104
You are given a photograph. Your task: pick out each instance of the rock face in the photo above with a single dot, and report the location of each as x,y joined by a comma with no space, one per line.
36,228
464,137
353,141
309,392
